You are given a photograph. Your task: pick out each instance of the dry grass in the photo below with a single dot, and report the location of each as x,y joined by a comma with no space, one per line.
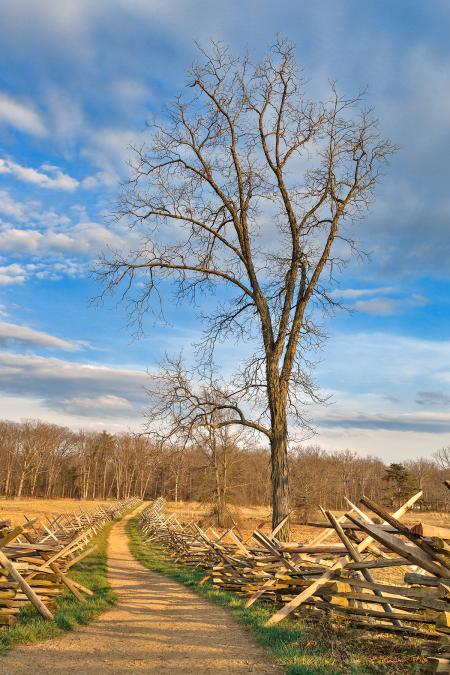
248,518
14,509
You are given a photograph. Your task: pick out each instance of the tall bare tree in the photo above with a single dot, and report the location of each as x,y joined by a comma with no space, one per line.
248,184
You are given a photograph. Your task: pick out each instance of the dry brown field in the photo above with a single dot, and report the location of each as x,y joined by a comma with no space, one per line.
248,518
15,509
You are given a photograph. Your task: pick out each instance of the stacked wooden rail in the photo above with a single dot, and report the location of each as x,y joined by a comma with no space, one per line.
366,567
36,556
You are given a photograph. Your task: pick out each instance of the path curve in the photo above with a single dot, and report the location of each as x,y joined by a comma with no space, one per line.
158,626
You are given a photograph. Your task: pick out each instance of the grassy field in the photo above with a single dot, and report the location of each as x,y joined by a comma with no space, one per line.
247,518
327,647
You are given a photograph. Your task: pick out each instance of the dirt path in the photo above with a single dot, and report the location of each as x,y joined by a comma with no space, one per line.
158,626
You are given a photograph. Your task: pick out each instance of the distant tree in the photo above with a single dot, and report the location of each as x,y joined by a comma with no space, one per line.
248,184
398,482
442,457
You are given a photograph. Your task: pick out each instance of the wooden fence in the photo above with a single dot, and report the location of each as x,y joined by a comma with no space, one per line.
365,566
36,556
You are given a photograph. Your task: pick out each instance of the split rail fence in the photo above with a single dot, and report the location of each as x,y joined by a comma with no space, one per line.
36,556
346,576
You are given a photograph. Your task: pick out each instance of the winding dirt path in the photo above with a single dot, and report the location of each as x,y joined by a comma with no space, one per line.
158,626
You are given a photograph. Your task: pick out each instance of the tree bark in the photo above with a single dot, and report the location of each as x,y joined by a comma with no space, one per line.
280,472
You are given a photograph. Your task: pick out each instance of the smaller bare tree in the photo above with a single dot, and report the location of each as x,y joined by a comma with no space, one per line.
198,415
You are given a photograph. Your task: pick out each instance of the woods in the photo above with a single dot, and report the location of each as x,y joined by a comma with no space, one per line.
44,460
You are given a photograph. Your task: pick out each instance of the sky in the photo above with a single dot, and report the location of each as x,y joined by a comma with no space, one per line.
79,80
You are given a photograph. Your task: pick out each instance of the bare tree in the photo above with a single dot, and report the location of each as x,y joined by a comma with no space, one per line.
442,457
248,184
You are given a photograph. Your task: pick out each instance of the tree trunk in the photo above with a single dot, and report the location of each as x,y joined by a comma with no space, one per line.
34,482
280,473
7,481
220,502
176,488
21,483
105,469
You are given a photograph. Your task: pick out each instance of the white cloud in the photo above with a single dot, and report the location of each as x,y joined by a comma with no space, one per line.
11,332
11,208
12,274
85,239
59,384
382,363
51,244
434,422
65,114
388,306
389,445
109,150
48,177
377,382
353,293
106,405
377,306
20,116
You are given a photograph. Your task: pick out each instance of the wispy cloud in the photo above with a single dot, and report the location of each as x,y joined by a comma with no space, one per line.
108,405
388,306
409,421
48,176
433,398
377,306
355,293
368,300
86,239
11,207
17,334
49,268
20,116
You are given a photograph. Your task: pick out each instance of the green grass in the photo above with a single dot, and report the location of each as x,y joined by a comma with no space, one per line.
90,572
328,647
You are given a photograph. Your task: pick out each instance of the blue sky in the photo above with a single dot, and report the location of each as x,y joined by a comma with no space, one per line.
78,81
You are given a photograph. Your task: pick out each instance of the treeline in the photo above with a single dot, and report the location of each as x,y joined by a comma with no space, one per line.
327,478
45,460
